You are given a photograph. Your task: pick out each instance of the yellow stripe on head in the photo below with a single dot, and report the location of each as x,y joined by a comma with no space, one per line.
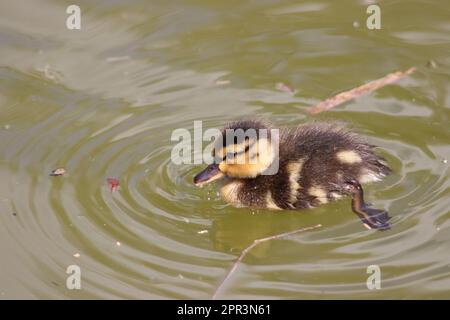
257,158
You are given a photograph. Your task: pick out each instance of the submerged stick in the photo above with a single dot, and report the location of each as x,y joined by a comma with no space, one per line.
356,92
254,244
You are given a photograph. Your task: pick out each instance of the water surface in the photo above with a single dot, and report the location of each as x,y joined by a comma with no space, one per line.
103,102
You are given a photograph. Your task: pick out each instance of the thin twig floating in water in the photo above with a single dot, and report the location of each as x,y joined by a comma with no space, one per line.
356,92
254,244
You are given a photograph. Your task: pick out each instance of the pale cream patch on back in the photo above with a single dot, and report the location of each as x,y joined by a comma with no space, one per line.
230,191
270,204
348,156
336,195
294,168
319,193
368,176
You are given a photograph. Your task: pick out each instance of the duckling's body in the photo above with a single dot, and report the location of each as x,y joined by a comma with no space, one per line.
317,163
314,163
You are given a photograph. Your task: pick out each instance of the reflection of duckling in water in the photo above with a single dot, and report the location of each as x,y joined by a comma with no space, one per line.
317,163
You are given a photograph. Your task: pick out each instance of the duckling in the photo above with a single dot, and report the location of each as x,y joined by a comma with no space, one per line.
295,168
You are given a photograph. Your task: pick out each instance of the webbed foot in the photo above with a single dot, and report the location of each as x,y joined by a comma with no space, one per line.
371,218
374,218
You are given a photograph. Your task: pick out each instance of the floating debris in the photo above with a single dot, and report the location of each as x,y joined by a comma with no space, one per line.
445,161
115,59
355,24
50,73
251,246
58,172
431,64
222,82
7,126
14,214
359,91
118,243
77,255
284,88
113,184
202,231
186,220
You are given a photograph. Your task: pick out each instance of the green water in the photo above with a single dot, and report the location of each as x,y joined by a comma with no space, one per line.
103,102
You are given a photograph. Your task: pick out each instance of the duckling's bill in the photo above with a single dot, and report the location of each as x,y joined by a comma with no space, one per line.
209,174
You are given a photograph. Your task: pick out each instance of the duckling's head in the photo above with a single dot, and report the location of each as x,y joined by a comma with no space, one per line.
244,150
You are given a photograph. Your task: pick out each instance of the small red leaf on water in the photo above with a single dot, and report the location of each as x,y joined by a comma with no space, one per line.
113,184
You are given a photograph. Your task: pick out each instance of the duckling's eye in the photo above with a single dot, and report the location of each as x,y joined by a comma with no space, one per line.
230,155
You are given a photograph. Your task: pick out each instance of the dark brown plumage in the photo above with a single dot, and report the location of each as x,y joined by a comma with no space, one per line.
318,163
